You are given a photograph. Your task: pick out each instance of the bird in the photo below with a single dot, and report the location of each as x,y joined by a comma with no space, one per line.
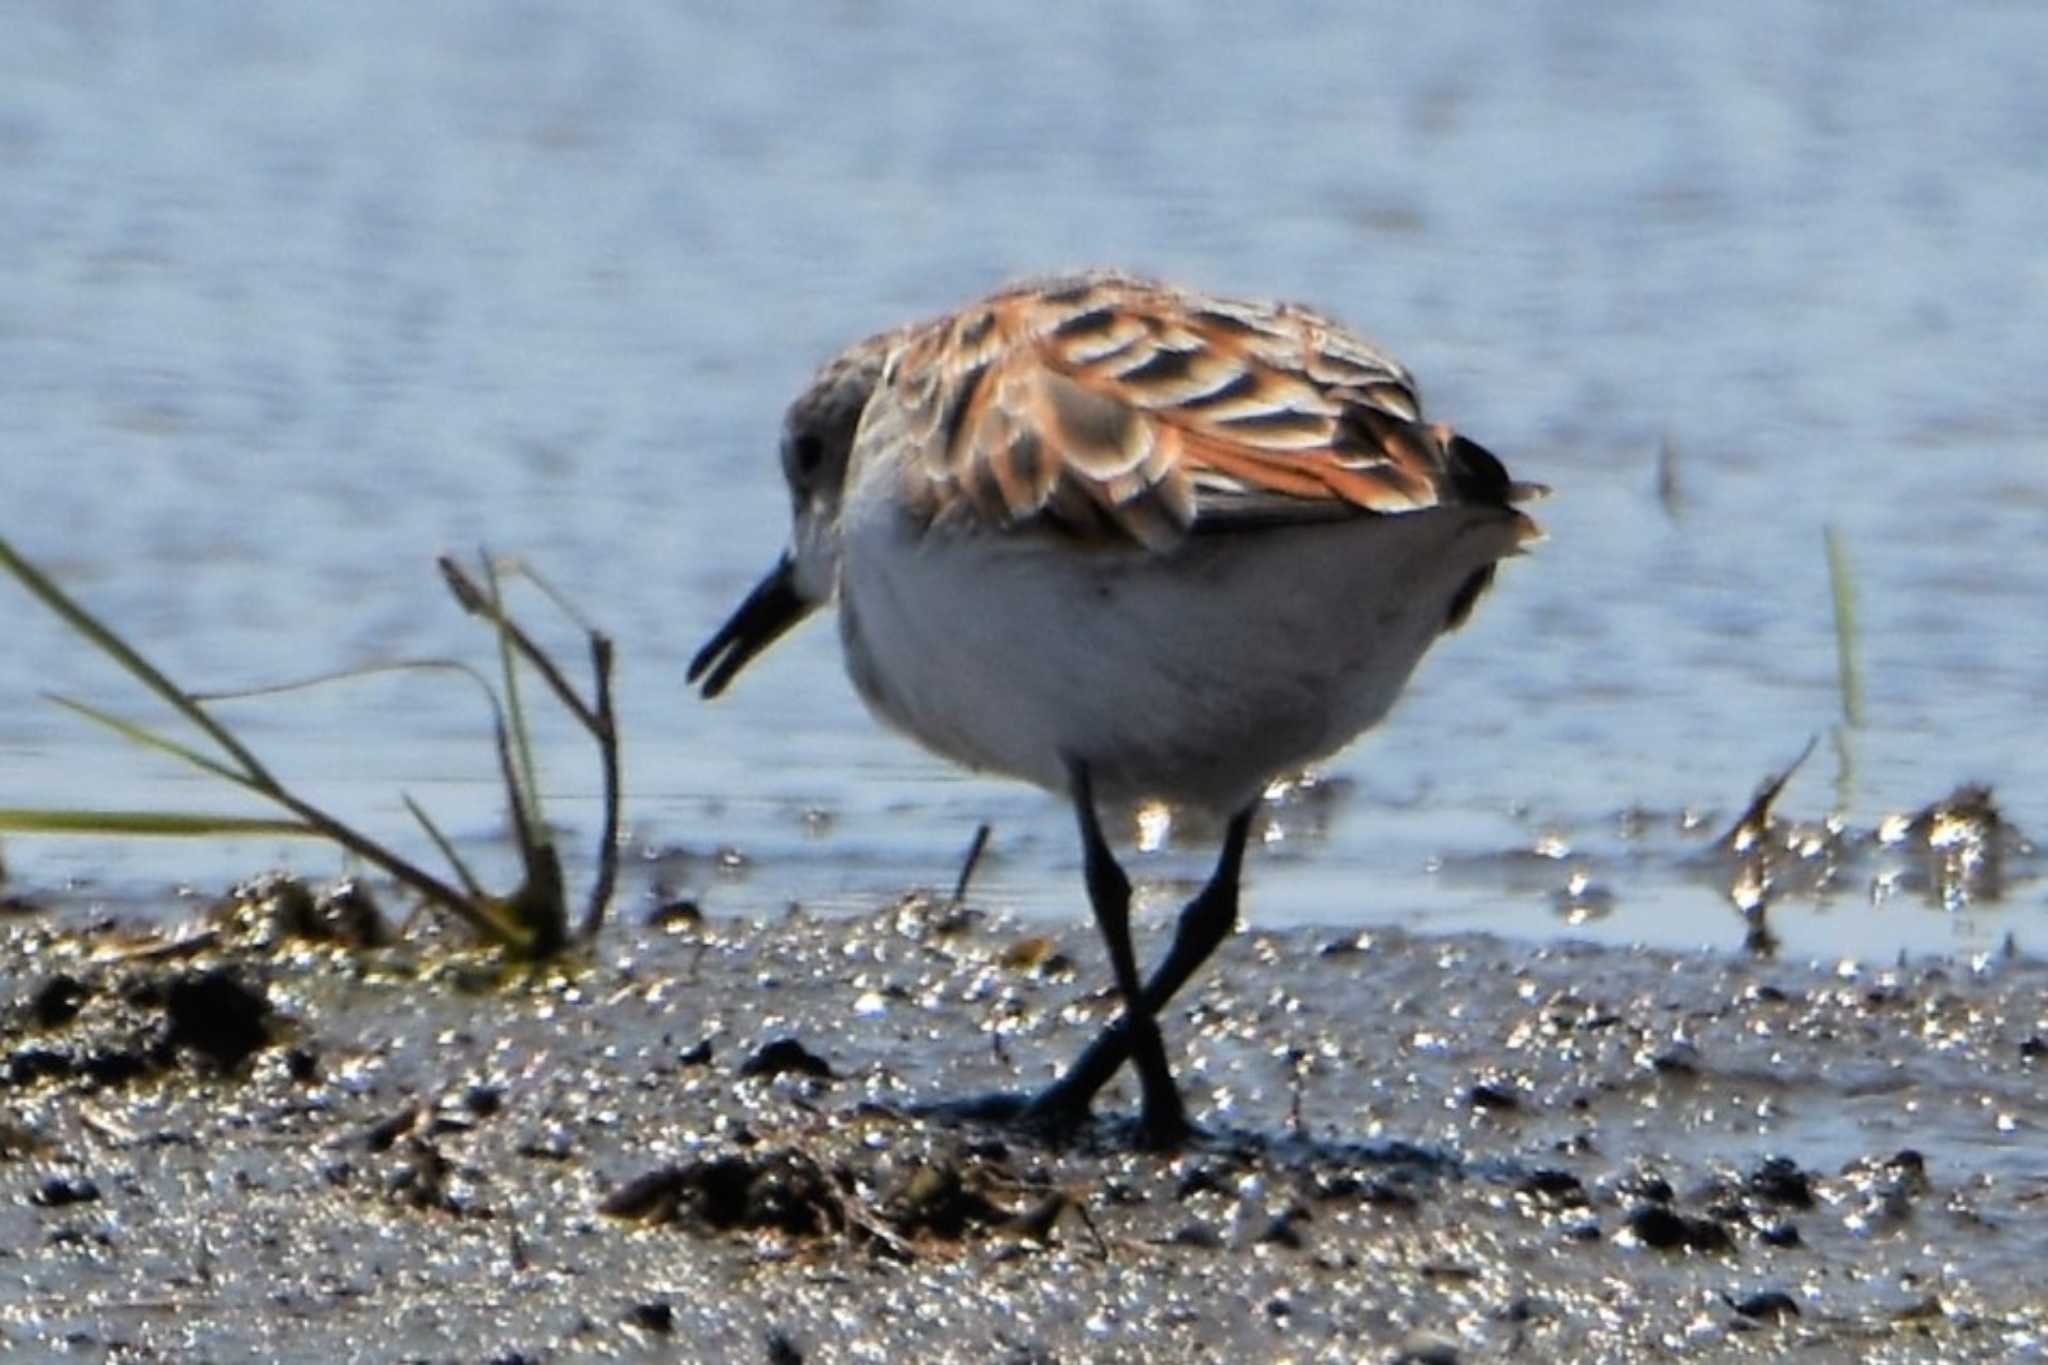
1128,541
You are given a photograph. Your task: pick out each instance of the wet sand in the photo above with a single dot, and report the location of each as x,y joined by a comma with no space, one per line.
1423,1148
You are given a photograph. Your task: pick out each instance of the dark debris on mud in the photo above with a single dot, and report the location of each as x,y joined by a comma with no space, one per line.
127,1024
1416,1148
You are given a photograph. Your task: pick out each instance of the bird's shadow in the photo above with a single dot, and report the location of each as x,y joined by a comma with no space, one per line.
1382,1170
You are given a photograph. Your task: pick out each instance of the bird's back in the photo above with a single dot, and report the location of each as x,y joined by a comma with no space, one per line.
1112,409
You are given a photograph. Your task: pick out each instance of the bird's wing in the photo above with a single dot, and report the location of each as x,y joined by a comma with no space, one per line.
1118,410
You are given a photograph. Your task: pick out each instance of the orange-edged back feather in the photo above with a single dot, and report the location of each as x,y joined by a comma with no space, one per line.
1113,408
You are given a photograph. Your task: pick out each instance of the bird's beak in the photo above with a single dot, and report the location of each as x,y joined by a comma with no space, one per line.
769,611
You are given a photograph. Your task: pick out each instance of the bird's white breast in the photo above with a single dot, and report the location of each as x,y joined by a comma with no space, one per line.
1195,675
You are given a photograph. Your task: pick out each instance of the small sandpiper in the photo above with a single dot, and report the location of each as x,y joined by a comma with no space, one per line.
1128,541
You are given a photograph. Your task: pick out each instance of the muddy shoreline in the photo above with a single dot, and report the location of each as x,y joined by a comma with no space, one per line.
696,1143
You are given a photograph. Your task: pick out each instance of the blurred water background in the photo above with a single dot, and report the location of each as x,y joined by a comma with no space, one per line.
293,298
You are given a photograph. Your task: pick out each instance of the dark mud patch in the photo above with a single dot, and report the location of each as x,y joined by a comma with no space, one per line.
700,1142
120,1025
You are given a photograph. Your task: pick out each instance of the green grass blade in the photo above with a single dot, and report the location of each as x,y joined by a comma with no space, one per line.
88,625
1841,581
554,594
169,824
510,926
430,887
149,738
526,790
349,674
1669,491
472,600
605,730
478,916
462,872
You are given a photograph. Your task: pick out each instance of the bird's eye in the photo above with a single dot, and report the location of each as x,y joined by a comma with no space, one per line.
809,452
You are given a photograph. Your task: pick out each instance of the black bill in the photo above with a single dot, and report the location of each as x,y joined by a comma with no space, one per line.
769,611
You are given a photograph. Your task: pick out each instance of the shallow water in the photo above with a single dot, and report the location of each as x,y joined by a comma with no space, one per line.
293,301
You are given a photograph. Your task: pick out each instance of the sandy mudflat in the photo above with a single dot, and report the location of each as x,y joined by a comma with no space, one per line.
1425,1148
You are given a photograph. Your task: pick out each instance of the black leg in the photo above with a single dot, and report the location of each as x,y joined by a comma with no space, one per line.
1164,1123
1205,923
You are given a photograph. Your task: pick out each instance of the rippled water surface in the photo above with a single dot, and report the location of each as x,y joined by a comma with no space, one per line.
292,300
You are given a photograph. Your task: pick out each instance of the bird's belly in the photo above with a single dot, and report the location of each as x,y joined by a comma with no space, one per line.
1195,676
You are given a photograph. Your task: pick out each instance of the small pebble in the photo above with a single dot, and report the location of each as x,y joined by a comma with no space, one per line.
653,1316
61,1190
785,1055
1770,1305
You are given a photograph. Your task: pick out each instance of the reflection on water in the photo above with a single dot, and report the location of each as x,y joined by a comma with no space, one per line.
395,279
